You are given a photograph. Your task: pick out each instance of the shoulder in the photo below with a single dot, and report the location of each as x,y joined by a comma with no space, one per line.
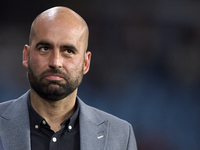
120,132
107,116
93,113
14,107
5,105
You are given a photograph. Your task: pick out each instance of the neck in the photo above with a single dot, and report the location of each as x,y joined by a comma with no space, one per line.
54,112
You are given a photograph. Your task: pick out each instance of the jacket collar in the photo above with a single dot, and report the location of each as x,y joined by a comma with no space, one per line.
93,128
15,124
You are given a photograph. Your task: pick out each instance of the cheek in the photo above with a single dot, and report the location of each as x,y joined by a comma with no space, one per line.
74,67
36,64
80,64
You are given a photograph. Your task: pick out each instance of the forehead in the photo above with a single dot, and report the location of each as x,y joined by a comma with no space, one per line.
60,29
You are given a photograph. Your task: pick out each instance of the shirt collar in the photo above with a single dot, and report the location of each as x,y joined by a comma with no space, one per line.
36,120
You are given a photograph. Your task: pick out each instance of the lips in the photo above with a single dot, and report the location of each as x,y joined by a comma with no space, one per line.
51,76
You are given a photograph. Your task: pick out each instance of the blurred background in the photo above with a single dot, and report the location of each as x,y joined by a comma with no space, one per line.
145,63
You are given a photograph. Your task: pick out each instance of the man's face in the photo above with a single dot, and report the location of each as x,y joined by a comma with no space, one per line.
56,59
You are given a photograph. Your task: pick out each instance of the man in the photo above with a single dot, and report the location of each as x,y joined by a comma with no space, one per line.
50,116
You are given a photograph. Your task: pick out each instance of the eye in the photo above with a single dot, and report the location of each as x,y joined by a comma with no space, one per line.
68,52
44,49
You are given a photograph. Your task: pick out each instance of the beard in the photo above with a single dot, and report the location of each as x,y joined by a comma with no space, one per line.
53,90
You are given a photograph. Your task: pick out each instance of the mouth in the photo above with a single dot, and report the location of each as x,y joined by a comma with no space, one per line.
55,77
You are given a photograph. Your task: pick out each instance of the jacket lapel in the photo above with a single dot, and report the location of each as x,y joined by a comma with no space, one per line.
93,129
15,134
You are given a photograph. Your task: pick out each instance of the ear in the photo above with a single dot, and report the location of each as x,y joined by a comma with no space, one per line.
26,55
87,62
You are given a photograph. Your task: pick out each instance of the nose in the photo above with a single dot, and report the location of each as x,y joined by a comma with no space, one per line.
55,60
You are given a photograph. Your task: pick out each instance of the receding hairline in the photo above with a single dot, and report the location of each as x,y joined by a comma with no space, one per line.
59,11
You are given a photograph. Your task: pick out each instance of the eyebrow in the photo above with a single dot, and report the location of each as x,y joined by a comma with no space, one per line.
69,47
65,46
43,43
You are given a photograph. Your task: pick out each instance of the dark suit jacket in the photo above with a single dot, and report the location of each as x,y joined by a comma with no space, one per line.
98,130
